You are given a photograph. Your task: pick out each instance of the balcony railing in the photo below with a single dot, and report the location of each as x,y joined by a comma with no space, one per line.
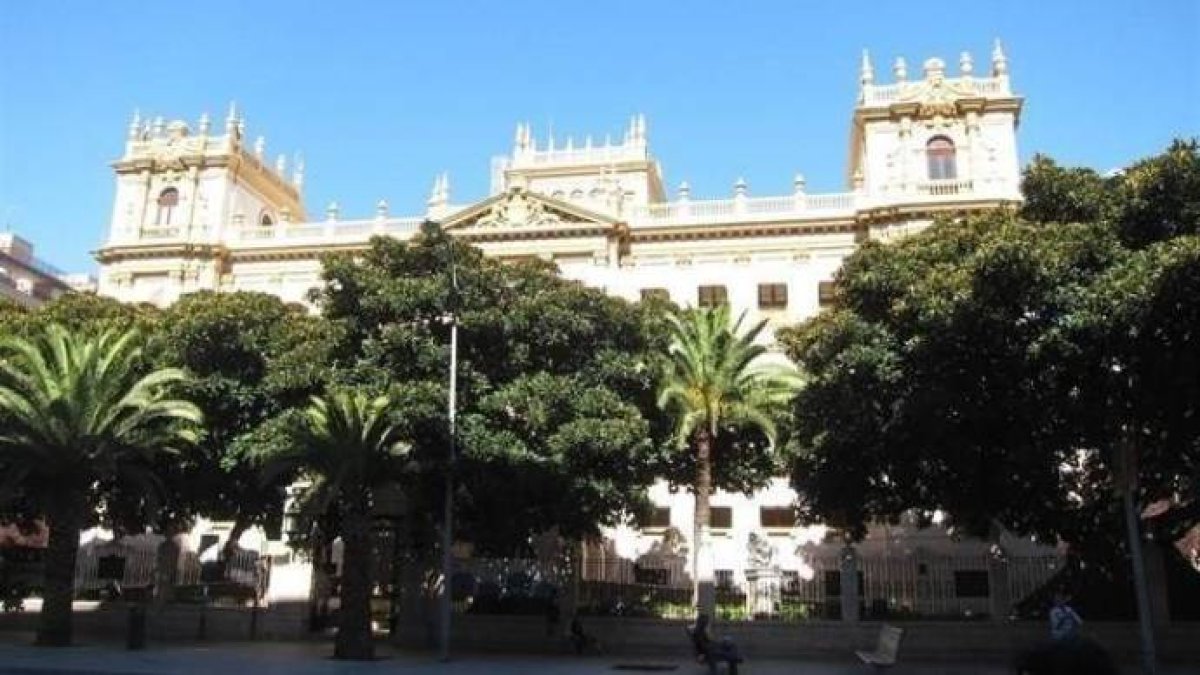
741,209
944,188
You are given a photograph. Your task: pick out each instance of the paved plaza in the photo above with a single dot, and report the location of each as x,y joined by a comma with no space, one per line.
18,657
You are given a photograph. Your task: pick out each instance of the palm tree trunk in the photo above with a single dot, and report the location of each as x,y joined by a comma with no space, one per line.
354,640
64,513
704,594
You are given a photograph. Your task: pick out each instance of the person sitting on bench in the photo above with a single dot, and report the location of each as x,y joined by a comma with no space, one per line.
711,652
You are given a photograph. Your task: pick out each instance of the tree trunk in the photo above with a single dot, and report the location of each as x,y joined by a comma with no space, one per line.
240,525
354,640
58,586
166,567
703,592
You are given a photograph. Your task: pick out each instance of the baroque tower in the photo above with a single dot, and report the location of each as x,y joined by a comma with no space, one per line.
177,192
936,138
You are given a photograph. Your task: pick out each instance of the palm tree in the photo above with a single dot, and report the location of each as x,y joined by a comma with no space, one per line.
715,380
78,412
347,445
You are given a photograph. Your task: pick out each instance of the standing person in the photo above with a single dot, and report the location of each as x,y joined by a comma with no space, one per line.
1064,622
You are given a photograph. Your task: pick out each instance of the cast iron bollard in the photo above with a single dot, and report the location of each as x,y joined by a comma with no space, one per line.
136,639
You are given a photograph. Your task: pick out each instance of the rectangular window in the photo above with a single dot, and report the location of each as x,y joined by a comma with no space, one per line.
826,293
657,516
777,516
721,517
712,296
772,296
655,293
724,579
971,584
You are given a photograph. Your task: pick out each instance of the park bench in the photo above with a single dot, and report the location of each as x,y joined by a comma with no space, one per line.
886,651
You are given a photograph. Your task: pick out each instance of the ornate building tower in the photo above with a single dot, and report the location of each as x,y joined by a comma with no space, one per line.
178,194
938,140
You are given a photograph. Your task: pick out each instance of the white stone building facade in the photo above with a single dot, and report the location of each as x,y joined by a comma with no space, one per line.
204,209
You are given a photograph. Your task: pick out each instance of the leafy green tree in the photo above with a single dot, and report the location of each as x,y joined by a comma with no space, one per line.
557,425
347,446
718,383
990,367
251,357
79,415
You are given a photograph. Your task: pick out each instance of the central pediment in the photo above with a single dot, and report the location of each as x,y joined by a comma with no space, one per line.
520,213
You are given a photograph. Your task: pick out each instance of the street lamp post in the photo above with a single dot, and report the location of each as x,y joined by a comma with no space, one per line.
448,513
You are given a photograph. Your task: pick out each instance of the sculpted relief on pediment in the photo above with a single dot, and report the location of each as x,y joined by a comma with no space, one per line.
519,208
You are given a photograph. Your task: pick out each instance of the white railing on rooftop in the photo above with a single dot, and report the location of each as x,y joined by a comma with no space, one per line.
329,231
593,155
883,94
742,209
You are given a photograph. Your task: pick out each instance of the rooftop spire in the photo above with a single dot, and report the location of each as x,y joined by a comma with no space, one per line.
135,126
999,60
866,72
900,69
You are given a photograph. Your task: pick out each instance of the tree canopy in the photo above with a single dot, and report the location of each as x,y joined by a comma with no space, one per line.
555,383
989,366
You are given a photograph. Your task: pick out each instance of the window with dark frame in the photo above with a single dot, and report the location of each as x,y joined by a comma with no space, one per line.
656,517
723,579
826,293
720,517
777,516
772,296
712,296
656,293
168,199
940,153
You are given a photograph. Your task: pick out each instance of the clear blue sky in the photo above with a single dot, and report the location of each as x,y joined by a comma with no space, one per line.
380,96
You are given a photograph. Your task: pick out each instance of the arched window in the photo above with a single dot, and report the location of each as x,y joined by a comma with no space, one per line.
168,199
576,194
939,151
265,220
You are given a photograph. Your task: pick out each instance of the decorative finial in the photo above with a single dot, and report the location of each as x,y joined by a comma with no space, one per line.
298,173
519,136
159,125
260,146
381,209
435,194
331,211
739,187
900,69
232,118
205,123
935,69
798,184
446,187
135,125
685,191
965,64
281,165
866,72
999,60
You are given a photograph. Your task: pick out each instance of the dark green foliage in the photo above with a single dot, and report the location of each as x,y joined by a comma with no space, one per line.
527,338
990,367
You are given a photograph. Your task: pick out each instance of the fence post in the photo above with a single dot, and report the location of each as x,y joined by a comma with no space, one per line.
998,587
849,583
